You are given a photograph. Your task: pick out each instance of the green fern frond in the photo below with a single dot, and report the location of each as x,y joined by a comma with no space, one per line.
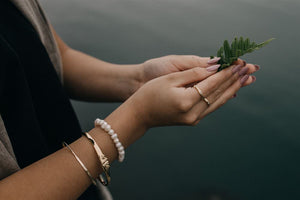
239,47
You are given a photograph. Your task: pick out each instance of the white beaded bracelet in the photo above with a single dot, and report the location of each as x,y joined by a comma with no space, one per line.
114,136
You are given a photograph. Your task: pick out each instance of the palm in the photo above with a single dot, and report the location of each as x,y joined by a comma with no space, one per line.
158,67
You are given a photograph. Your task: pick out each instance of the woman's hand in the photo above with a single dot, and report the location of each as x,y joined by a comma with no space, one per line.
157,67
168,101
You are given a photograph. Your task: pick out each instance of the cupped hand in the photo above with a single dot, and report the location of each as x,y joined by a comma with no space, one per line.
161,66
157,67
169,100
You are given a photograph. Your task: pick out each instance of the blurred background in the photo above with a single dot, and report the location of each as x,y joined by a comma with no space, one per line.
249,149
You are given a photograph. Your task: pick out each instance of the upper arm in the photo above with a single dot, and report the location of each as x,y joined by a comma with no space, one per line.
63,47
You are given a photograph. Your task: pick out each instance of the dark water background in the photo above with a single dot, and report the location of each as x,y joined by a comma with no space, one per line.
249,148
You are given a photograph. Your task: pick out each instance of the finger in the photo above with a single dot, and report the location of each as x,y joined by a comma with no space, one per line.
253,68
216,94
233,89
184,62
247,81
213,60
223,87
240,62
199,105
212,83
200,109
251,80
208,87
190,76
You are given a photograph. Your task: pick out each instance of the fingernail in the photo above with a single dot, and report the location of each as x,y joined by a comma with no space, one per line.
243,71
257,67
213,68
236,68
244,63
244,79
253,79
213,60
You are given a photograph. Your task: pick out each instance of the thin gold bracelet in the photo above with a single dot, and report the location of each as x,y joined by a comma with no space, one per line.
103,160
81,163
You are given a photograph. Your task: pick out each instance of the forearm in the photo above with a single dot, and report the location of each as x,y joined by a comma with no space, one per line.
59,175
88,78
91,79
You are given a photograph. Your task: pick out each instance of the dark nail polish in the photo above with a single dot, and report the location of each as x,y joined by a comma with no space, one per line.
253,79
244,79
236,68
233,96
243,71
257,67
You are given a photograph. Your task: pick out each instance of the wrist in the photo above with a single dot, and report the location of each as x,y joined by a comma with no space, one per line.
142,73
139,76
126,123
135,80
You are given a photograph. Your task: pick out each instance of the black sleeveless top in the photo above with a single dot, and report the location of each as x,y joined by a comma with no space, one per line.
35,109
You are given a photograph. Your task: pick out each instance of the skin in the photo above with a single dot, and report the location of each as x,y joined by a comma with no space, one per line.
156,93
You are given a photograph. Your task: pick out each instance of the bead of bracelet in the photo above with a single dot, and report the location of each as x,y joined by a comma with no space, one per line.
114,136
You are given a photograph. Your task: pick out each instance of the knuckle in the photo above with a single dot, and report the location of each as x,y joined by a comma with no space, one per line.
196,122
213,86
194,57
223,102
228,98
218,91
197,71
190,119
227,72
184,106
236,87
170,77
197,60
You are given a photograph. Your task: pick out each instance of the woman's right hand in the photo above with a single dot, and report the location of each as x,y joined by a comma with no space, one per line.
168,100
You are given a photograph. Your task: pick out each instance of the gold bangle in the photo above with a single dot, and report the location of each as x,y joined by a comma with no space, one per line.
103,160
81,163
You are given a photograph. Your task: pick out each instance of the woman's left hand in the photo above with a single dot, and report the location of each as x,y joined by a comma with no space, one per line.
161,66
157,67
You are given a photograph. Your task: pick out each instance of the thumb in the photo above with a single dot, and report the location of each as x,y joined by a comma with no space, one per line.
189,76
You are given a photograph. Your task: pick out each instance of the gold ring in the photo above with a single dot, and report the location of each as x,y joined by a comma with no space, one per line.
201,94
206,101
